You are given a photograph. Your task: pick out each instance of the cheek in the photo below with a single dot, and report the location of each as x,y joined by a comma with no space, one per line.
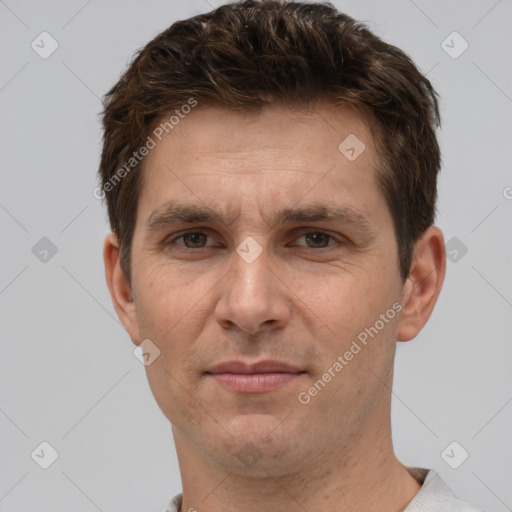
173,393
172,311
344,315
341,304
166,300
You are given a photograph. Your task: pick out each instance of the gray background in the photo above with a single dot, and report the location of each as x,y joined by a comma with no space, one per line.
68,375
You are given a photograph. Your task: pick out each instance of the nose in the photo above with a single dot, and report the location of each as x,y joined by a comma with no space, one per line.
253,297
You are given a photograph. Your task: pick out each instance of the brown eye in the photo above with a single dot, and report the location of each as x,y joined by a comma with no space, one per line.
194,240
191,240
317,239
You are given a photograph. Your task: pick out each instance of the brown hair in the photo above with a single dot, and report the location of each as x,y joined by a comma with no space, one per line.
254,53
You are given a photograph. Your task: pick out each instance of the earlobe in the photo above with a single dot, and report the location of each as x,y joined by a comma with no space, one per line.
119,287
423,285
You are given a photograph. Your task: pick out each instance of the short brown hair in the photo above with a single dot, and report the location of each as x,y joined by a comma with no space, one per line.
252,53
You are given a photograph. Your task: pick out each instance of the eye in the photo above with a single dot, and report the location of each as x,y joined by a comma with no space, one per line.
199,240
317,239
191,240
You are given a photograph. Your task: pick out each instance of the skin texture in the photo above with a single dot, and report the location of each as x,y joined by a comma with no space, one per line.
303,300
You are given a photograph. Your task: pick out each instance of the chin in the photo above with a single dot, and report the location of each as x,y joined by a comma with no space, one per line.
256,445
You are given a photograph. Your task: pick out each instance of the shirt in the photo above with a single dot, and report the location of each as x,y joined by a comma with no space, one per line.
434,495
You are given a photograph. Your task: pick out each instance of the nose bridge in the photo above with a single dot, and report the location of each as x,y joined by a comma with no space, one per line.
251,296
250,275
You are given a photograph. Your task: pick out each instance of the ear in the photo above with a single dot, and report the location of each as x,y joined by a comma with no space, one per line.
423,285
120,288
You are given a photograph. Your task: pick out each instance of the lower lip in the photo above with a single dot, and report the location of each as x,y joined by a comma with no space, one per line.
254,382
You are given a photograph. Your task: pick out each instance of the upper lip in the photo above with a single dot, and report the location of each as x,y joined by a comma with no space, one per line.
259,367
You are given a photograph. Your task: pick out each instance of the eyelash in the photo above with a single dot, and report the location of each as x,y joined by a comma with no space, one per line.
173,240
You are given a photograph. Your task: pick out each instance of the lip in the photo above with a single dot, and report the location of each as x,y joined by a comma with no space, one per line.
258,377
266,366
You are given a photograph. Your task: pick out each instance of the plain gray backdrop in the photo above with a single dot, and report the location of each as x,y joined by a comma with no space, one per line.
68,375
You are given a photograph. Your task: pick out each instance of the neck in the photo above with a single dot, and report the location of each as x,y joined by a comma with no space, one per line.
363,474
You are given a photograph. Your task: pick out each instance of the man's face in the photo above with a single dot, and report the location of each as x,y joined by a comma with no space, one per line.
267,280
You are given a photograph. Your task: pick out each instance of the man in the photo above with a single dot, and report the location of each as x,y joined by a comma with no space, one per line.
270,175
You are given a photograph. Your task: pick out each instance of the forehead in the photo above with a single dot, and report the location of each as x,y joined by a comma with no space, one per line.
275,127
229,160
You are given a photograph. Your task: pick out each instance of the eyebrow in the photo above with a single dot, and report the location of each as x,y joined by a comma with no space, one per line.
173,212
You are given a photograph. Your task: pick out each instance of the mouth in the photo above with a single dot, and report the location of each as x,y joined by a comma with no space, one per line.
259,377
